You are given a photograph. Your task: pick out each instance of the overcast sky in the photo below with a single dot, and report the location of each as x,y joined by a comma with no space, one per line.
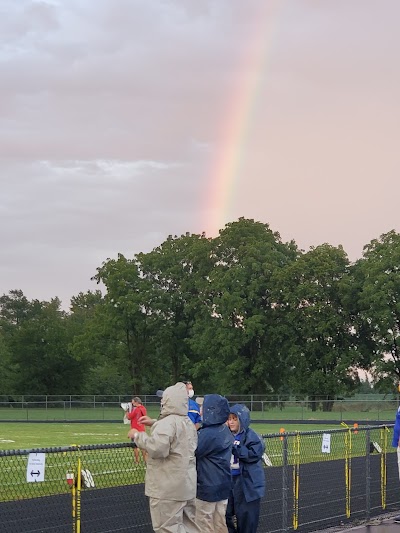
124,121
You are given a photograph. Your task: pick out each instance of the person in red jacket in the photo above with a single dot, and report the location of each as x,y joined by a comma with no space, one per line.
138,410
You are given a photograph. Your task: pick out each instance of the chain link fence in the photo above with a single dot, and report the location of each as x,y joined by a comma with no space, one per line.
370,408
95,488
314,480
321,479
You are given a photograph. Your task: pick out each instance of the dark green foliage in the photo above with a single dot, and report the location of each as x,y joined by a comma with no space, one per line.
377,308
319,342
235,335
241,313
35,338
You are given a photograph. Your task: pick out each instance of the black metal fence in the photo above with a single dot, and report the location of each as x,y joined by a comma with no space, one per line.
314,480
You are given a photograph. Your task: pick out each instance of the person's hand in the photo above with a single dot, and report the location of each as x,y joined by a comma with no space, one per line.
132,434
146,420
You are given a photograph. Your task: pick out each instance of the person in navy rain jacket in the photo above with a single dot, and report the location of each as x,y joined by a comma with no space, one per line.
396,444
248,480
213,456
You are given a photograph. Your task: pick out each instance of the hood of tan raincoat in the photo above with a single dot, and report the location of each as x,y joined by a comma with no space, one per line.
174,401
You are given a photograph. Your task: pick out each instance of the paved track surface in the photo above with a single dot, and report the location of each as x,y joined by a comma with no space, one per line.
385,526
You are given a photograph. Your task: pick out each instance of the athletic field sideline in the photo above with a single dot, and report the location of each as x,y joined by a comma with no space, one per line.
26,435
382,412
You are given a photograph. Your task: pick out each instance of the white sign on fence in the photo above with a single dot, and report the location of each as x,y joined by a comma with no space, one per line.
35,468
326,443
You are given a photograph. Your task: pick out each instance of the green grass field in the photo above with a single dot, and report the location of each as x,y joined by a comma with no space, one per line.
25,435
27,414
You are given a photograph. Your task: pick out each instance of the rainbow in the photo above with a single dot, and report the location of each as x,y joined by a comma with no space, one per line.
227,166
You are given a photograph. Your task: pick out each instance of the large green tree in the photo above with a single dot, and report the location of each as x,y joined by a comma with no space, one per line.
39,346
129,320
236,338
319,342
14,310
176,272
377,304
93,344
8,370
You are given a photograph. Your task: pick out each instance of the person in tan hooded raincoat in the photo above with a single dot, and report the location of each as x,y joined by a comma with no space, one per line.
171,477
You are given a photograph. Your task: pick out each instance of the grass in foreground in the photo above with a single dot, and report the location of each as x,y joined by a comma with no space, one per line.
25,435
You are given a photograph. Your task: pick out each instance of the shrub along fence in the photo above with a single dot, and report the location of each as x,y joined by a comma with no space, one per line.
314,480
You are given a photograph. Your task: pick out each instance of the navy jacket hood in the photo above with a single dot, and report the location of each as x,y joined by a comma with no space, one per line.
243,415
215,410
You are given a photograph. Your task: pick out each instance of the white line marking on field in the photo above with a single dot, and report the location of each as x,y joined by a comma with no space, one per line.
96,434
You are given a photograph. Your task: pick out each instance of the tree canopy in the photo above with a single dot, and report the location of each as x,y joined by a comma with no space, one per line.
243,312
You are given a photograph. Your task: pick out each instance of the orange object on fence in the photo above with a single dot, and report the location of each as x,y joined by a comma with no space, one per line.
282,430
355,425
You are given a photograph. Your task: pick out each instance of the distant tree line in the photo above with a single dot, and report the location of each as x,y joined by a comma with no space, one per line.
240,313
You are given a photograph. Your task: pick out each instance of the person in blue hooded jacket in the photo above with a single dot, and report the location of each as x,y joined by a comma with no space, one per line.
396,444
213,455
248,480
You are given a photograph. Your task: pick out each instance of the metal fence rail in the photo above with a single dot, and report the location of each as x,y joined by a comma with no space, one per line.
78,409
314,480
240,398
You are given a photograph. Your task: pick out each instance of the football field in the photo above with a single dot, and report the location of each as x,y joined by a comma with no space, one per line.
27,435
